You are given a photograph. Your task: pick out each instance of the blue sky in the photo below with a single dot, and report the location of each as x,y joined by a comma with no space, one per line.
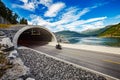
75,15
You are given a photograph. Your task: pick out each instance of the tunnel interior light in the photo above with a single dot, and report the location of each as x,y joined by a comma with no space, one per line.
35,32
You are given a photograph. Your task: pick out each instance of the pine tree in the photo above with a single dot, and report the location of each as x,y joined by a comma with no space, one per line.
23,21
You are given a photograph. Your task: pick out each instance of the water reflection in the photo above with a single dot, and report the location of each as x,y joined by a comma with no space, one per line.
115,42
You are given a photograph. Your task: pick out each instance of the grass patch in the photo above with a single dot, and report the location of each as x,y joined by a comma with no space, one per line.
5,25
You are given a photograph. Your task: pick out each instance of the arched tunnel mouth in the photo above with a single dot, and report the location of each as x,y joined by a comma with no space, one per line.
34,37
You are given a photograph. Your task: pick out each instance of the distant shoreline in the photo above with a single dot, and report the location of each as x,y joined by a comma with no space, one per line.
109,36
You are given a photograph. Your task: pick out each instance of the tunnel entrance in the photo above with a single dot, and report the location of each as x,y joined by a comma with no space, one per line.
34,37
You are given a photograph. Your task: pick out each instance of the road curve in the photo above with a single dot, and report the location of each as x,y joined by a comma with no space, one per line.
102,62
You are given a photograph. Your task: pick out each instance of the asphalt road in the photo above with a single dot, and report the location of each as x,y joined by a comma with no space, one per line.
102,62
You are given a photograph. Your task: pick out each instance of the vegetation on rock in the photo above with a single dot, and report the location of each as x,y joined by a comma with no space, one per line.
23,21
94,32
113,31
5,25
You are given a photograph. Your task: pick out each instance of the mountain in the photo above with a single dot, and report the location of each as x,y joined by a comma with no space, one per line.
112,31
95,32
69,34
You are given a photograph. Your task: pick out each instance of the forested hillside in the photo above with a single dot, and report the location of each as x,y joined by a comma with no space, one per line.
10,15
113,31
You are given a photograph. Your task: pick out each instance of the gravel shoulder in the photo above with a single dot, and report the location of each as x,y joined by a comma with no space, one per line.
43,67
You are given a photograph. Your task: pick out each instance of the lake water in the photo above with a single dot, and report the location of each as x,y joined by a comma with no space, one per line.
114,42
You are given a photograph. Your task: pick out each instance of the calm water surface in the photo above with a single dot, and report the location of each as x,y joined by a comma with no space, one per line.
114,42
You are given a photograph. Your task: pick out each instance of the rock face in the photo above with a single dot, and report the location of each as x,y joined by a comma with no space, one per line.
13,54
2,33
15,72
18,69
6,41
3,20
43,67
30,79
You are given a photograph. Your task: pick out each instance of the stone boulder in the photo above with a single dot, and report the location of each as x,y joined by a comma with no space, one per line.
13,54
18,70
30,78
6,42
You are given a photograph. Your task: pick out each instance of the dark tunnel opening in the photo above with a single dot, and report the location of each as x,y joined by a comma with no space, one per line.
34,37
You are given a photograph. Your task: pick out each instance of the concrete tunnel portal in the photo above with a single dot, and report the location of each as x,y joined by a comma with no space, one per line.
33,36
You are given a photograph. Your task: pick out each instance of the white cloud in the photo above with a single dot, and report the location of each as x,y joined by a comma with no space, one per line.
93,20
84,11
73,14
70,15
24,1
117,17
81,25
54,9
37,20
81,22
94,25
69,20
27,6
33,4
46,3
78,25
